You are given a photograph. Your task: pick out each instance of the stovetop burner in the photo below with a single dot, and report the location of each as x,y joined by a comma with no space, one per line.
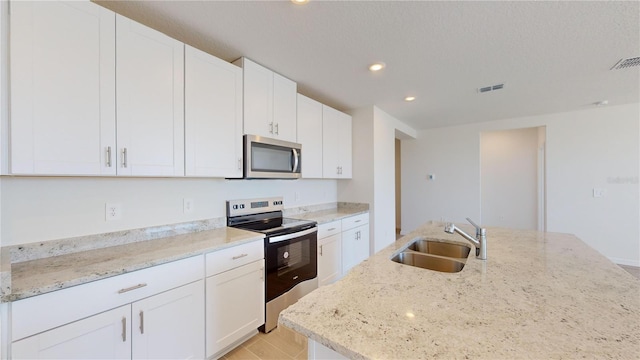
264,216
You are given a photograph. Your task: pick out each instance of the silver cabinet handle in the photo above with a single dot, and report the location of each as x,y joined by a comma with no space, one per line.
239,164
122,291
271,127
338,170
320,250
239,256
108,156
277,128
124,329
331,229
124,157
141,322
262,273
358,220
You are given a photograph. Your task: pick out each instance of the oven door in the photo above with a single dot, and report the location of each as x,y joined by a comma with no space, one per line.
290,260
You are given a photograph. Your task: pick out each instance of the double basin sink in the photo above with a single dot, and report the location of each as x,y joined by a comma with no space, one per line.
434,255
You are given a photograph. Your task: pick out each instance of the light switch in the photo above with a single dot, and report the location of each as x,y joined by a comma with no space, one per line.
598,192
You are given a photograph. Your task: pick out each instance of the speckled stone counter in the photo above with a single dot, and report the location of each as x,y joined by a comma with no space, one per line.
324,215
538,295
34,277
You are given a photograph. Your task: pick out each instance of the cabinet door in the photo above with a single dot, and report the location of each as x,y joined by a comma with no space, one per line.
102,336
310,136
150,96
213,116
235,305
355,247
330,145
284,108
345,141
258,99
62,88
170,325
329,259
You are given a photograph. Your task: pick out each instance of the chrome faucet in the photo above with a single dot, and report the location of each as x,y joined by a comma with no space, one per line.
480,241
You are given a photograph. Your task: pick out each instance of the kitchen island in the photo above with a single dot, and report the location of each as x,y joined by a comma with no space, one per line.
538,295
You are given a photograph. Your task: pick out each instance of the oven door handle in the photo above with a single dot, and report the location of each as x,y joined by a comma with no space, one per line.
292,236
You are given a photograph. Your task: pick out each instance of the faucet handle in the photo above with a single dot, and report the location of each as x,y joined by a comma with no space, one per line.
478,227
479,230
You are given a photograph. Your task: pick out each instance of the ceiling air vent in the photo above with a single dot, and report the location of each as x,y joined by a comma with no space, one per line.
490,88
627,63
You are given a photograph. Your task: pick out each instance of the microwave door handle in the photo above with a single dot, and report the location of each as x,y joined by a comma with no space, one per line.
296,161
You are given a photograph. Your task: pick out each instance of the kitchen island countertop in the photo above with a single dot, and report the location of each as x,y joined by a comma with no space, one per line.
538,295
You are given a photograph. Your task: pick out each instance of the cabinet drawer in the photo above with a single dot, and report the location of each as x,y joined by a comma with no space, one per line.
329,229
43,312
233,257
353,221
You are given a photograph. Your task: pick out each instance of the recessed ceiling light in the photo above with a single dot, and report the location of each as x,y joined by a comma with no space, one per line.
377,66
409,98
299,2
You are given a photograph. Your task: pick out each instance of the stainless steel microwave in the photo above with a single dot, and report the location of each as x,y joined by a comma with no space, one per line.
266,158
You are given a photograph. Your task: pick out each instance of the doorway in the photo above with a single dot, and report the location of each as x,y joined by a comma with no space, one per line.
398,188
512,168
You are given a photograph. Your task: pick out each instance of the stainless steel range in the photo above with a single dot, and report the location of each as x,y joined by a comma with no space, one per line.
290,252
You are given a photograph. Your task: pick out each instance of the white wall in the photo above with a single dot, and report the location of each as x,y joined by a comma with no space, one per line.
398,167
597,147
373,182
509,178
37,209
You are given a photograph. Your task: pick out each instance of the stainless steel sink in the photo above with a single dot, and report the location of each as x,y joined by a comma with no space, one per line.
430,262
440,248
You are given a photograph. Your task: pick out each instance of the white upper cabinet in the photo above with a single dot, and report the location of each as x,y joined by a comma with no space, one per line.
269,102
310,136
213,116
284,108
150,101
62,89
336,144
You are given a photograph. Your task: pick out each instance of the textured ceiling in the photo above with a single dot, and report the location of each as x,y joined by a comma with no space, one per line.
551,56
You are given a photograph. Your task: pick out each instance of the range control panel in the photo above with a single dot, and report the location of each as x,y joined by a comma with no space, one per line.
253,206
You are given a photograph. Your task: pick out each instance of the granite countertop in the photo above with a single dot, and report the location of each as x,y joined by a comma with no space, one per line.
38,268
538,295
323,216
39,276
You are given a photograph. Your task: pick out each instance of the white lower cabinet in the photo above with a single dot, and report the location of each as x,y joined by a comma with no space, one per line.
342,244
102,336
355,241
329,252
154,313
235,296
169,325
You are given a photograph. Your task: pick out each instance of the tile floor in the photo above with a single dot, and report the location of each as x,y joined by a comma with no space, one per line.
281,343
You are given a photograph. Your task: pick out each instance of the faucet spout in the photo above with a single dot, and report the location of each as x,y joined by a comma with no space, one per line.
480,241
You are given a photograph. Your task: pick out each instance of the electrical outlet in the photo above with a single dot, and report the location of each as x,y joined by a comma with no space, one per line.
187,205
112,212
